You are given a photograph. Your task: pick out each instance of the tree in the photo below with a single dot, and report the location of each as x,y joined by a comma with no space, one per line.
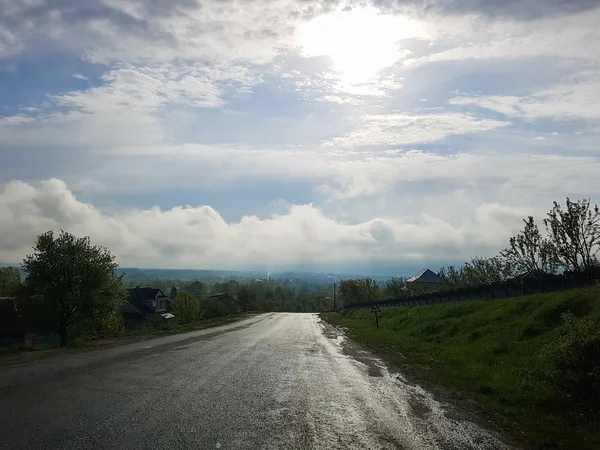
195,288
529,252
10,279
575,234
365,290
246,298
69,280
350,292
396,288
369,289
452,277
186,307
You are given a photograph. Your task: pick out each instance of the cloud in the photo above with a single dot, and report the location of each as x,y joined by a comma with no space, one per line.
503,9
402,129
81,77
566,101
476,37
199,237
159,30
129,108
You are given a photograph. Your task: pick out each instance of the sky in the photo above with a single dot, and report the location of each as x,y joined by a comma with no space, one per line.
378,137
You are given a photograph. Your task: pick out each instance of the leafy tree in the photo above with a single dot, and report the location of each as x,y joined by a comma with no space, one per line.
575,234
350,292
69,280
231,287
396,288
195,288
246,298
529,252
186,307
10,279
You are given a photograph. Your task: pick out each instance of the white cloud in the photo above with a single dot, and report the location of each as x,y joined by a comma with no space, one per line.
565,101
473,36
199,237
81,77
128,109
161,31
149,88
402,129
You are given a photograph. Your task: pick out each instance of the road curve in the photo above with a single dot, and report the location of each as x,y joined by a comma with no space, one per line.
275,381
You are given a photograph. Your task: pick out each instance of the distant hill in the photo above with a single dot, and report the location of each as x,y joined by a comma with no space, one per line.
214,276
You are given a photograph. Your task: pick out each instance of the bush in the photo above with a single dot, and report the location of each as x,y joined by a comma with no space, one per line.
113,322
573,364
158,322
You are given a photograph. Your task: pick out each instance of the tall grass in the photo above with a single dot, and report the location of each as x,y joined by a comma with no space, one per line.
532,363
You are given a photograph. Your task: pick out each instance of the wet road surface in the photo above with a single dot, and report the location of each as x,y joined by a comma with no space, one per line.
275,381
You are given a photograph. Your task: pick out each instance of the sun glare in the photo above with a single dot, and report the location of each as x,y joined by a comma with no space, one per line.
360,42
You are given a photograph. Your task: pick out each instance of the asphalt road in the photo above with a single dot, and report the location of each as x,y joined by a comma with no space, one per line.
275,381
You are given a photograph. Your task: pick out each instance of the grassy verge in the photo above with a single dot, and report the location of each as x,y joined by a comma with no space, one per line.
112,339
532,364
150,332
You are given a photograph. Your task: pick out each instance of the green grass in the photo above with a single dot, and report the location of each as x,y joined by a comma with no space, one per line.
151,332
501,353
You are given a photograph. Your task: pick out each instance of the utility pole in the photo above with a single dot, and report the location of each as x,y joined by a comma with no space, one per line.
334,308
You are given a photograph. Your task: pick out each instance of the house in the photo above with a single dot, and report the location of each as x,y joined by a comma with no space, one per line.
425,276
17,331
142,303
224,303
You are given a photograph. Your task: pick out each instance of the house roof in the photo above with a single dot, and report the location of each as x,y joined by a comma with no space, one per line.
425,276
222,296
137,298
145,293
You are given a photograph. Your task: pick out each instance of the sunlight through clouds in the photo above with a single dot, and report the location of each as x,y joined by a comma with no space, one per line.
356,119
360,42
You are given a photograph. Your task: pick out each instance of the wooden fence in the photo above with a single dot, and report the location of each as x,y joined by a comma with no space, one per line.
507,289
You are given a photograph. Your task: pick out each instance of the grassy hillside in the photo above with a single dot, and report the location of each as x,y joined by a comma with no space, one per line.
531,363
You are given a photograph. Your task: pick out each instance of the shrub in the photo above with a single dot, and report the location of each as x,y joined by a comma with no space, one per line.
573,364
113,322
158,322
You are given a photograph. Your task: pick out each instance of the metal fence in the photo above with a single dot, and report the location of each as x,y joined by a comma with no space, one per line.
507,289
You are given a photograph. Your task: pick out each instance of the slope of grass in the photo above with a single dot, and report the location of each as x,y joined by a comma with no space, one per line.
531,363
113,339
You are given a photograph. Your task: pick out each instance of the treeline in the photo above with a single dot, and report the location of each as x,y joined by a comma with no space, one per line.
72,286
568,242
253,295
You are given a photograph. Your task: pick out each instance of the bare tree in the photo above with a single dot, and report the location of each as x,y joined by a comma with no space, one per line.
364,290
529,252
452,277
575,234
487,271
